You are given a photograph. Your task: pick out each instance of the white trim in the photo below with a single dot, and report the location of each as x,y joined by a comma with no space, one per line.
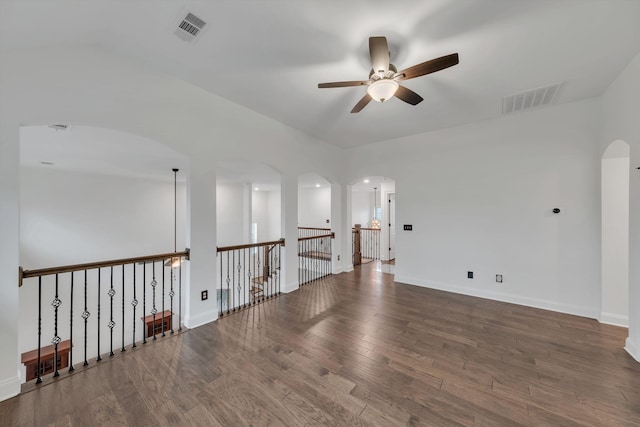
200,319
631,348
614,319
293,286
10,387
499,296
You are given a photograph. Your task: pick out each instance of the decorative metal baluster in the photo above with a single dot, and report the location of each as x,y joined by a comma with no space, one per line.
111,323
236,303
171,295
233,278
154,283
85,316
99,358
180,298
244,280
122,349
134,303
256,280
278,261
71,326
39,367
56,339
163,270
144,299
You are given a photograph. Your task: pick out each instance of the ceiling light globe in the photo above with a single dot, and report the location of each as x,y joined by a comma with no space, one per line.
382,89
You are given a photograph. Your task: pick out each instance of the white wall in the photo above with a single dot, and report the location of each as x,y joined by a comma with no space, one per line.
480,198
232,229
274,218
314,207
71,217
615,241
620,108
362,207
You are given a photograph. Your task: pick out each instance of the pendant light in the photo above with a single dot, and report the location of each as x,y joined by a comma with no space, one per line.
375,222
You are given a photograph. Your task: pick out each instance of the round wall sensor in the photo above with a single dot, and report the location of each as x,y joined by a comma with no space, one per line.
556,210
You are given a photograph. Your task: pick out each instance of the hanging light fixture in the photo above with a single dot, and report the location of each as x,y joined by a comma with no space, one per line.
375,222
175,262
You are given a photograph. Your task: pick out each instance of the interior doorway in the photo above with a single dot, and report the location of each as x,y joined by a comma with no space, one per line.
391,200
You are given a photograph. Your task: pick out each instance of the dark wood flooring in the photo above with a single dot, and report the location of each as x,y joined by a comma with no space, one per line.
358,349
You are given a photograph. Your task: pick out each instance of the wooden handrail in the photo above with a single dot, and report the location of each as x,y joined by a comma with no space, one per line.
250,245
313,228
362,228
25,274
332,235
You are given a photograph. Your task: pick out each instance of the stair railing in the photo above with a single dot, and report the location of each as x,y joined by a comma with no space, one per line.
124,284
314,257
249,274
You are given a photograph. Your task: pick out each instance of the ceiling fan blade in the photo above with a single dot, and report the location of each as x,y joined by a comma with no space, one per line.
362,103
428,67
379,51
408,96
343,84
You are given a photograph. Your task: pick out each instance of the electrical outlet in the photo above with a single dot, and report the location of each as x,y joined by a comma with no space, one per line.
204,295
499,278
338,257
469,274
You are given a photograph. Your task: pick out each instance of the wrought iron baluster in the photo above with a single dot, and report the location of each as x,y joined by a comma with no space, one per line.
144,300
180,297
71,326
56,339
111,323
163,271
122,349
134,303
279,270
39,367
233,276
99,358
85,316
171,295
154,310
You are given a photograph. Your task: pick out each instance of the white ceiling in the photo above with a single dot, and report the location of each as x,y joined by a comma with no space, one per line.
270,55
98,150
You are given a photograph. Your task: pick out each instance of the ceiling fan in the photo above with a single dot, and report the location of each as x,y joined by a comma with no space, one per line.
384,77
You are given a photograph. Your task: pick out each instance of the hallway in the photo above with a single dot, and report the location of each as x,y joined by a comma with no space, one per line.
358,349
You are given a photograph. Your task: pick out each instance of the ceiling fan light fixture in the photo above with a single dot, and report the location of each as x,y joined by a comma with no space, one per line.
383,89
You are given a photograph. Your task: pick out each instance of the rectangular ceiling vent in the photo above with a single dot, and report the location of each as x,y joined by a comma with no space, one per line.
59,127
530,99
190,27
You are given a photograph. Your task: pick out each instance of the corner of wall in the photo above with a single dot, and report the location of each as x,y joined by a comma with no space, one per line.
200,319
290,287
632,349
614,319
10,387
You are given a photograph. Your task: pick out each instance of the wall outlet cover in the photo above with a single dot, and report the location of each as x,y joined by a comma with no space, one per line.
204,295
499,278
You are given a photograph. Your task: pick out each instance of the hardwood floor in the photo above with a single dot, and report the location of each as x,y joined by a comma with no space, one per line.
358,349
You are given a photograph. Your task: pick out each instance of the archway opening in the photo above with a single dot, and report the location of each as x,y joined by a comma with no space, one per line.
373,207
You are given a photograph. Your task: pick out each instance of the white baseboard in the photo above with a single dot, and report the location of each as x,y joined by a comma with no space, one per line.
614,319
200,319
632,349
290,287
504,297
9,387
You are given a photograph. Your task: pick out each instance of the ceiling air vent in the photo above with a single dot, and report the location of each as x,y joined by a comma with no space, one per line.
190,27
530,99
59,127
